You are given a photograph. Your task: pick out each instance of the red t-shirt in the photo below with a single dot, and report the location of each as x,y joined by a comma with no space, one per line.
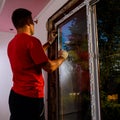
25,54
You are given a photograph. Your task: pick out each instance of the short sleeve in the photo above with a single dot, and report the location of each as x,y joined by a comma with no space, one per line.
36,51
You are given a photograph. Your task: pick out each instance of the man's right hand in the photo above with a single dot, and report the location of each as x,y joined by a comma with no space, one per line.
63,53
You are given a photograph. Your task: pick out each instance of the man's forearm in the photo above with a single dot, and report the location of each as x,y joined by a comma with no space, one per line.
52,65
46,46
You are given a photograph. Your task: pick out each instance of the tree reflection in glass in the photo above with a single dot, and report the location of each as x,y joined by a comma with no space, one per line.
74,81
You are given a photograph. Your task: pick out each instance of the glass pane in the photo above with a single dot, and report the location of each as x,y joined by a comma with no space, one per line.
108,15
74,81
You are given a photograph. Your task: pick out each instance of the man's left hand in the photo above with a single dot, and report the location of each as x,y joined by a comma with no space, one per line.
52,36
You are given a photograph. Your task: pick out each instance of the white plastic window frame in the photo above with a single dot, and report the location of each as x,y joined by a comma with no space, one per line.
94,58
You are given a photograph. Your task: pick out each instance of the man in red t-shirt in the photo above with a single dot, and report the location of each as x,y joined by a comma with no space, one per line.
27,59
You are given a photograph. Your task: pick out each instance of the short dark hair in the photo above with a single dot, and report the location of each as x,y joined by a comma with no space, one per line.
21,17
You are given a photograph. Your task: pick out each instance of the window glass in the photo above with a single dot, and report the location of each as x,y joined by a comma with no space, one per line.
74,81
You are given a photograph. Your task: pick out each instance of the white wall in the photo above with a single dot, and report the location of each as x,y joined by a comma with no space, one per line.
5,71
5,76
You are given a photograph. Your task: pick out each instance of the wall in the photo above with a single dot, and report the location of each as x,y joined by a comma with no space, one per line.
5,71
5,75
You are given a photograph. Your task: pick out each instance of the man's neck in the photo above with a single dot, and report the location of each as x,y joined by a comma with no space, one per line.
23,30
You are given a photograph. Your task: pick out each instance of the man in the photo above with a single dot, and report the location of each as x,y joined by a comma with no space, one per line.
27,59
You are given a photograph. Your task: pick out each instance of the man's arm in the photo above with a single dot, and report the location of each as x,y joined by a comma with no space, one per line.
52,65
46,46
52,38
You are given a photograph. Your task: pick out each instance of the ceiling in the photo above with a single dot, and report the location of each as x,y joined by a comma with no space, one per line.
8,6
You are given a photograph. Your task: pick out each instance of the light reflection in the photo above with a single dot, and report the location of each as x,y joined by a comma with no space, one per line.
74,94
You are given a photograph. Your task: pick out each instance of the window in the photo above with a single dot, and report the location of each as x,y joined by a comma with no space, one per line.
73,92
74,81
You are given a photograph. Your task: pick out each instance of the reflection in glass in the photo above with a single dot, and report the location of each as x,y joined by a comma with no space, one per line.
108,13
74,81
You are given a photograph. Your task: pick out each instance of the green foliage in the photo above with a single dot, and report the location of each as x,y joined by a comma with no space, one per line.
108,13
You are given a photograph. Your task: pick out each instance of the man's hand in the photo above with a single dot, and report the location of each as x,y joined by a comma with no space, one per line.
63,53
52,37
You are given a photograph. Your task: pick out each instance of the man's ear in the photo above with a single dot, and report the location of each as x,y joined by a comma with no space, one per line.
29,22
